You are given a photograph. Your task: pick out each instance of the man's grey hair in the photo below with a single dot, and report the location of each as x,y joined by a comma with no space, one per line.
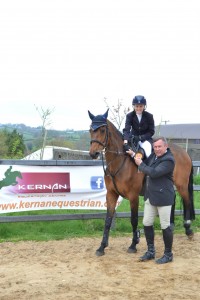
162,138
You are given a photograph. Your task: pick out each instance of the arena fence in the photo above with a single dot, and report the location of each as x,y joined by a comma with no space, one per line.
78,216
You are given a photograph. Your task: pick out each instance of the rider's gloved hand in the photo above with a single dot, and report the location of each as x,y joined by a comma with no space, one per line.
136,139
126,147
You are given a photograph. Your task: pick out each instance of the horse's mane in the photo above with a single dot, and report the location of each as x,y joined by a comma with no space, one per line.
115,128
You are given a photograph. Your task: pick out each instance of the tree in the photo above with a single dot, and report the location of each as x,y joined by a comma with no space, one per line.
118,112
45,116
15,143
3,145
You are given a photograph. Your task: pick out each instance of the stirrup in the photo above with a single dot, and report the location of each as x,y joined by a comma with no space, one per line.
147,256
165,259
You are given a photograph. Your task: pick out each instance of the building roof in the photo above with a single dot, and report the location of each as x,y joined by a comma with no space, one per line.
179,131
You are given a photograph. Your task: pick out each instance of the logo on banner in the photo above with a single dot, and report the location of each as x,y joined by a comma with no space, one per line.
11,178
97,182
38,182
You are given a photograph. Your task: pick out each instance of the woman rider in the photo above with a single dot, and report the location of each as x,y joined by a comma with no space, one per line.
139,126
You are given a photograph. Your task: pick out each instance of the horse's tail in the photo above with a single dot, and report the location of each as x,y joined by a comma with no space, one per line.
191,196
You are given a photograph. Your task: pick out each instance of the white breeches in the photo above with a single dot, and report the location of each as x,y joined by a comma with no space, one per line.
147,147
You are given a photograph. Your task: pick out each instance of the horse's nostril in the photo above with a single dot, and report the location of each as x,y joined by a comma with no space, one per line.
94,155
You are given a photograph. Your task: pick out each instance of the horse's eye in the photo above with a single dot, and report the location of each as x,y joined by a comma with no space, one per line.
102,130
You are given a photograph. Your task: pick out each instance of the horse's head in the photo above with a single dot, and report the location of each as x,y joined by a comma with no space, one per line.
98,133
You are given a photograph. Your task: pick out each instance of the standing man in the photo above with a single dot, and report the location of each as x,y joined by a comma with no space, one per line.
159,197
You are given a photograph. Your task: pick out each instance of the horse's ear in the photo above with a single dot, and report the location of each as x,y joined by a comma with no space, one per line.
91,115
106,114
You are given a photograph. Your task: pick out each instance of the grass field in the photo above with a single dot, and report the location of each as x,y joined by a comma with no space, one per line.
57,230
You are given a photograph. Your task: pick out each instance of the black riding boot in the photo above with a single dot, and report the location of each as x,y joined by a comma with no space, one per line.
149,235
168,241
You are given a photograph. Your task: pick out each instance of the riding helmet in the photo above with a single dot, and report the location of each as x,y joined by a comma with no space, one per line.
139,100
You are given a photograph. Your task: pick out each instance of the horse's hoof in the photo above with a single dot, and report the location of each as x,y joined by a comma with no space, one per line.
132,250
100,253
189,233
190,236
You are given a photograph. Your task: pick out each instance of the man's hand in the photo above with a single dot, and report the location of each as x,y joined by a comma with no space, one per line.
131,152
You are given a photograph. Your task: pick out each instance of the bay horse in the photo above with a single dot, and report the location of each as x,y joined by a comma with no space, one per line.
123,179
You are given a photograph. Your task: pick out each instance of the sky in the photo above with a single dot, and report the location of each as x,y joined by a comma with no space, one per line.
68,56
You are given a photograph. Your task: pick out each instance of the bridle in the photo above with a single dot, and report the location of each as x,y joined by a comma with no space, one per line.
105,142
105,149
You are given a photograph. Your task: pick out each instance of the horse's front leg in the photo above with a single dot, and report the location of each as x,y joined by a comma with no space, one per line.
107,225
172,220
136,232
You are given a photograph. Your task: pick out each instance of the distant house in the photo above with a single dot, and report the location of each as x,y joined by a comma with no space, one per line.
186,135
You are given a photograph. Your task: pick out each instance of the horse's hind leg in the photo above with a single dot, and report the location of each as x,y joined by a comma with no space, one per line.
184,185
108,221
188,221
188,213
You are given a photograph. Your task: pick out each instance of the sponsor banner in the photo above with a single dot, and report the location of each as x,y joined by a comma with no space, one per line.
26,188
